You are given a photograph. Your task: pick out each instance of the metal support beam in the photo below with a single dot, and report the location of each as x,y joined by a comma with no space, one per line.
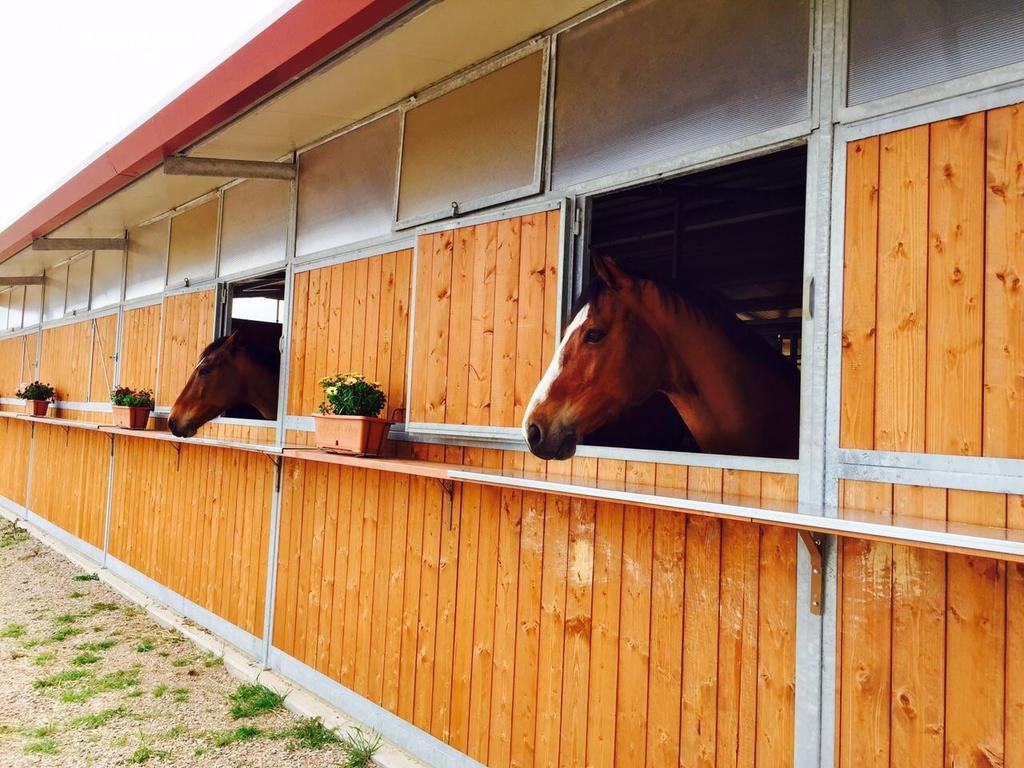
35,280
79,244
178,165
813,542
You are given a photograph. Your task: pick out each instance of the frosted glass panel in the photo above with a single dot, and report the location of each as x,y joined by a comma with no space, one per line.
193,252
475,142
147,259
899,46
255,227
33,308
16,304
347,187
653,79
56,286
79,280
5,299
106,278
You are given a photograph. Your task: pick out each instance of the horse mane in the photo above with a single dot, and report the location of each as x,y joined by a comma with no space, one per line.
707,309
261,354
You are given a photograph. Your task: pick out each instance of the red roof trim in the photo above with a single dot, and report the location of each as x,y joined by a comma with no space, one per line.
303,37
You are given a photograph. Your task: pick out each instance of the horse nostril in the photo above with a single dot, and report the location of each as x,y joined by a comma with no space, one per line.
533,435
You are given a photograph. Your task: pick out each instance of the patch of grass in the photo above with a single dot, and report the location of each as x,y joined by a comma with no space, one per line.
62,634
213,660
359,748
145,646
102,645
145,753
59,679
46,746
101,607
12,535
183,662
93,686
180,695
309,733
253,699
43,659
32,642
134,694
175,731
12,631
76,594
159,690
84,659
242,733
96,719
66,618
120,741
86,577
39,732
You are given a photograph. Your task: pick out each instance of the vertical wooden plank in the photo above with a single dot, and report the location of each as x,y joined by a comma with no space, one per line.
738,629
505,623
552,286
956,277
1015,644
410,618
902,291
386,513
579,603
347,360
975,640
427,633
860,260
374,267
461,316
350,630
396,592
698,734
918,637
339,610
1004,268
530,317
436,380
506,313
400,335
421,322
447,584
481,331
865,628
608,538
386,328
371,526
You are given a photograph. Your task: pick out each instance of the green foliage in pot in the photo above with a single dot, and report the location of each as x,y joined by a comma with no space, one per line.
132,398
36,390
350,394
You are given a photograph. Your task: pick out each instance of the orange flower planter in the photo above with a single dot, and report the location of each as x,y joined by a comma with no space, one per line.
131,417
37,407
353,435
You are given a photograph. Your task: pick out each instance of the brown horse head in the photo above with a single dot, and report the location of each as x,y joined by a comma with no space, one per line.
610,359
238,369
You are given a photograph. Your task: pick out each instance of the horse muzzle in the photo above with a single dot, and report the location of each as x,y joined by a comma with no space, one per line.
179,428
557,443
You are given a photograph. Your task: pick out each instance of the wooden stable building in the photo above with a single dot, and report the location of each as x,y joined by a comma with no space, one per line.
412,190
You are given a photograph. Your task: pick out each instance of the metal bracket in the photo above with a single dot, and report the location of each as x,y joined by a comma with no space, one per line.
813,543
448,486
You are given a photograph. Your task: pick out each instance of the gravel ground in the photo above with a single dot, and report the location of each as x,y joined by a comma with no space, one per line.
88,679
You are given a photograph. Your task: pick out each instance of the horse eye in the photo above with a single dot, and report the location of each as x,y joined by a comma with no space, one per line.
594,336
203,371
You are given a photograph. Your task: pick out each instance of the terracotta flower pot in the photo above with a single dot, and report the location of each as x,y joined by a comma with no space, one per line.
37,407
131,417
355,435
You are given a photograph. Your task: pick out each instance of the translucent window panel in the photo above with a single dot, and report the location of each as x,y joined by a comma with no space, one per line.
254,232
147,259
5,302
477,142
16,304
107,268
347,187
79,283
193,251
897,47
54,293
32,309
653,79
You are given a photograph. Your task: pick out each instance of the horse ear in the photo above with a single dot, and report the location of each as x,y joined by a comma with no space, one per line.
609,272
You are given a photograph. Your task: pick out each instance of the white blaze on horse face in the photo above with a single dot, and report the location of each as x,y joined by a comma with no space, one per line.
540,394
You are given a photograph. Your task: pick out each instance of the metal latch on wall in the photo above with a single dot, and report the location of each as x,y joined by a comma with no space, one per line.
813,543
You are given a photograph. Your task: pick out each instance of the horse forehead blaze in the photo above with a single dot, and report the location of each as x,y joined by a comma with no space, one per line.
554,369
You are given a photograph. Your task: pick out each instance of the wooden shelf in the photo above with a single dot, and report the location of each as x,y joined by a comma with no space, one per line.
961,538
167,437
433,469
54,421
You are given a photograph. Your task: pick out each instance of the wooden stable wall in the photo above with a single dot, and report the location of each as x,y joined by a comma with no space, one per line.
195,519
933,312
350,317
70,471
485,319
140,345
931,646
15,441
523,628
186,328
12,365
66,359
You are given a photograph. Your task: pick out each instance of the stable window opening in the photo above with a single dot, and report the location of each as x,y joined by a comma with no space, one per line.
726,246
255,306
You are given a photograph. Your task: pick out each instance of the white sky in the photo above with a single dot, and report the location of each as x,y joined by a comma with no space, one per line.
77,74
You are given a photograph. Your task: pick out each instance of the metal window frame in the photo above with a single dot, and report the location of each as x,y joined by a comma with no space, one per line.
539,44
